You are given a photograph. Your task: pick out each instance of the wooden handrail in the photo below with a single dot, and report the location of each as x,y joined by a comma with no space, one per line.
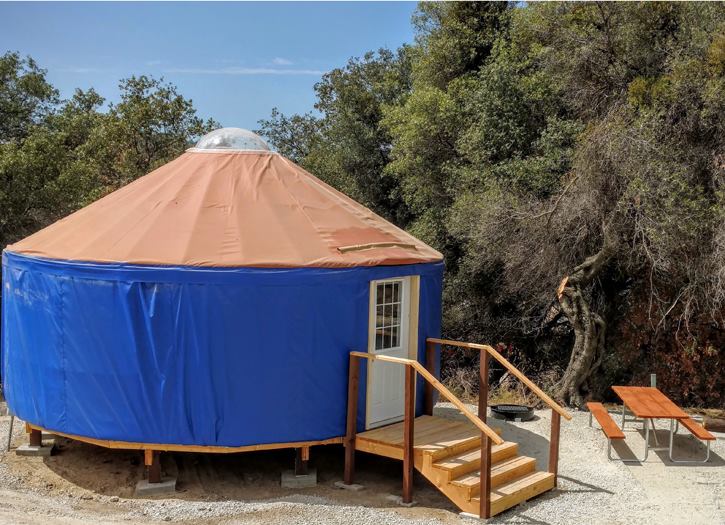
511,368
483,427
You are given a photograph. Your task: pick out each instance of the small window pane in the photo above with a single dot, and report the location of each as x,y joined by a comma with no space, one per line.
388,315
379,294
396,292
395,331
379,320
379,339
388,338
388,293
395,314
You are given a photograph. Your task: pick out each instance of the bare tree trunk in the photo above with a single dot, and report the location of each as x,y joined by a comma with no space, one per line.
589,327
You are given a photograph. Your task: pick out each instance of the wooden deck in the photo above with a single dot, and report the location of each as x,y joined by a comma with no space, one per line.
447,452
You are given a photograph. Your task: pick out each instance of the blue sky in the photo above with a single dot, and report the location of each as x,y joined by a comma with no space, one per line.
235,60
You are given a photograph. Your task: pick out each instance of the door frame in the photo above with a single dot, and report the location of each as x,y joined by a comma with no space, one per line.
413,289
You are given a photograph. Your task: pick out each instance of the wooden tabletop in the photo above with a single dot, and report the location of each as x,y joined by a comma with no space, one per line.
649,402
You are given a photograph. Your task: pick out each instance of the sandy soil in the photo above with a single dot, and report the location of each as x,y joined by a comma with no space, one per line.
86,484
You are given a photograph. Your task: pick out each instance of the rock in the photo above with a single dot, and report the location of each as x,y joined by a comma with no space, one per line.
399,500
291,481
28,450
144,488
354,487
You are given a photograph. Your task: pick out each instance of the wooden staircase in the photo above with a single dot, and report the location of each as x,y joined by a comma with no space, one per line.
466,459
448,454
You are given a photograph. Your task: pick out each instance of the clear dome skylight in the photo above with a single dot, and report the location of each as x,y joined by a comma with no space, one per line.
231,139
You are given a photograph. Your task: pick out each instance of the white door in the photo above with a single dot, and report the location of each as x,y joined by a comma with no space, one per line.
389,333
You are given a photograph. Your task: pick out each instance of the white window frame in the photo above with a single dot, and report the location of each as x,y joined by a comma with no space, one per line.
403,314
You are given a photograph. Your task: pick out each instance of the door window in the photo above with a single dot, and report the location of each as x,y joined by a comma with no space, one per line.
388,313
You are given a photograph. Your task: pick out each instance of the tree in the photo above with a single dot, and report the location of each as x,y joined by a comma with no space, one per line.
152,124
553,143
347,146
454,41
26,98
77,153
294,137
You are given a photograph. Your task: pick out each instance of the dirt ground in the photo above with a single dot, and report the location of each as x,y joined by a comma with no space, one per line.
86,484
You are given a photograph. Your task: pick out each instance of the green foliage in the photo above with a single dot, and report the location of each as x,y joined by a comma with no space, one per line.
456,38
25,96
521,135
294,137
347,146
63,156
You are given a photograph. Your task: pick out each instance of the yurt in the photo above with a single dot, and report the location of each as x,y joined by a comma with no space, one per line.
215,302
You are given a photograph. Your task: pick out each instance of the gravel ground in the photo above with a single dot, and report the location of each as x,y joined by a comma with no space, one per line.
84,484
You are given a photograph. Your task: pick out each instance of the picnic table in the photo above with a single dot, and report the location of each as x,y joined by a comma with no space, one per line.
648,403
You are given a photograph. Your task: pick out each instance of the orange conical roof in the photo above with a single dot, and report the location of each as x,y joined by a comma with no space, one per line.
228,207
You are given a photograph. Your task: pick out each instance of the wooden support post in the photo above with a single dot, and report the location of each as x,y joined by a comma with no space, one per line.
353,381
302,457
35,438
152,460
408,434
485,494
483,386
430,365
554,444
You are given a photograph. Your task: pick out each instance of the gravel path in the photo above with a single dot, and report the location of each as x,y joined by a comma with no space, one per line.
85,484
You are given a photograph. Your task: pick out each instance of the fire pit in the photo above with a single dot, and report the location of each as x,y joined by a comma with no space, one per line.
512,412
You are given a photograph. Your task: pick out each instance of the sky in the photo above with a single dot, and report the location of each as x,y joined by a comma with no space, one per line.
236,61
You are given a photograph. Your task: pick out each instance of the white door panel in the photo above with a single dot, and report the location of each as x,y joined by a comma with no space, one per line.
389,331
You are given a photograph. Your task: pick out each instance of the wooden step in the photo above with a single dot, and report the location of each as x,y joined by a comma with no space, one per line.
501,473
470,460
519,490
434,437
455,446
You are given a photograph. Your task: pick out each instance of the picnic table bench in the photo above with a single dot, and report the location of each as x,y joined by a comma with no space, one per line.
647,403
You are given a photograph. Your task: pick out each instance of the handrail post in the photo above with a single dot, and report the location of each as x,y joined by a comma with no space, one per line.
511,368
554,444
430,365
485,494
408,434
352,393
483,386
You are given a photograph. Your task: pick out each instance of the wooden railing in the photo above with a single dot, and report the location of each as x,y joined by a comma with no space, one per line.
488,436
557,412
412,368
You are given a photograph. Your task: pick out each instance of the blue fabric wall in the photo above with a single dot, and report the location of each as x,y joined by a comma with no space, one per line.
204,356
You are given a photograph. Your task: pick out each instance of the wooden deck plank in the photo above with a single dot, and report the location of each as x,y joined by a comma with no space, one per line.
697,430
649,402
430,433
525,488
470,460
609,426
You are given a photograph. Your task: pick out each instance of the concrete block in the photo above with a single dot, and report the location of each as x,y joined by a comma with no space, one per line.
145,489
470,516
290,481
27,450
354,487
399,501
